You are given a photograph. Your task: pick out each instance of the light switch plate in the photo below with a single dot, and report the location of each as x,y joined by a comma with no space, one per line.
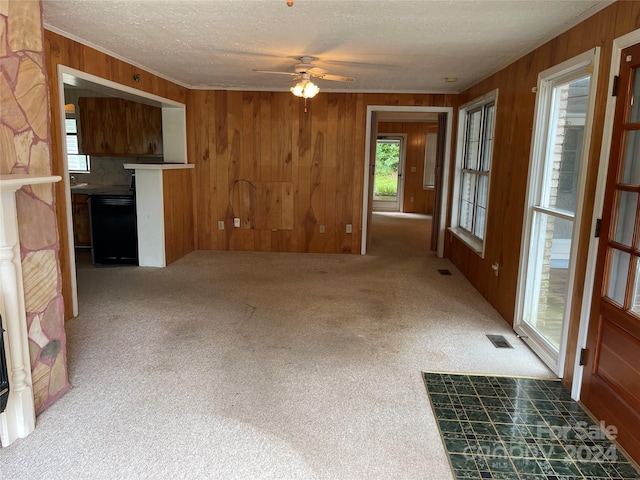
236,222
221,225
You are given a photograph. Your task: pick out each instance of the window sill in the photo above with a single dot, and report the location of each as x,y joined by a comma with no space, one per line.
470,241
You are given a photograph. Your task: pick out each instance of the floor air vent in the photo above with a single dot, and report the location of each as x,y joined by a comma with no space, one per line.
499,341
444,271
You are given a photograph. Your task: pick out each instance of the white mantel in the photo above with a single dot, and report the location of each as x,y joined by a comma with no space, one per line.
19,419
150,210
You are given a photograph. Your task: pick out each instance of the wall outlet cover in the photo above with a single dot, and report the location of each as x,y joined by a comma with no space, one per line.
221,225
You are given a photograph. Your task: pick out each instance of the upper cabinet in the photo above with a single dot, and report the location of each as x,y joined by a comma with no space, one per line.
118,127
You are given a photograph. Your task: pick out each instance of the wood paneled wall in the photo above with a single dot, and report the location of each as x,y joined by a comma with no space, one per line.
414,157
510,163
178,226
60,50
241,140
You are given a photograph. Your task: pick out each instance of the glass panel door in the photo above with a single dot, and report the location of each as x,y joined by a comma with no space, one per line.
611,373
554,196
387,193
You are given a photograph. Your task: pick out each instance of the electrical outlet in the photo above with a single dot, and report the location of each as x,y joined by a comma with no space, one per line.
496,268
221,225
413,170
411,199
322,229
349,228
236,222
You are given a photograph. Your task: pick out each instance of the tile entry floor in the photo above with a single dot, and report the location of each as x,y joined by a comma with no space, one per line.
520,428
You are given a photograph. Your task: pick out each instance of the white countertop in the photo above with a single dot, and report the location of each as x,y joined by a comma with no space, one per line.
158,166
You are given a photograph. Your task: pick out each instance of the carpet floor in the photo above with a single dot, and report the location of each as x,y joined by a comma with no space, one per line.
230,365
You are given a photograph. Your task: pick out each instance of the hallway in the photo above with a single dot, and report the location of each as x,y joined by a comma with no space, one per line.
395,234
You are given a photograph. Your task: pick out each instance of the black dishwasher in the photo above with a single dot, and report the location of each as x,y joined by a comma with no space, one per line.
114,236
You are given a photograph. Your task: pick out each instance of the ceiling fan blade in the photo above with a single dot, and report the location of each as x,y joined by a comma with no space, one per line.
335,78
277,73
316,71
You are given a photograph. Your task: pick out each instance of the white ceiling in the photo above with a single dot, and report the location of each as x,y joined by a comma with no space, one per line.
389,46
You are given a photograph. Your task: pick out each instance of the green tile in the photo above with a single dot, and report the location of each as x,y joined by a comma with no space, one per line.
626,470
564,468
456,446
483,428
463,462
592,469
527,465
519,450
501,464
477,416
513,428
445,413
449,426
500,416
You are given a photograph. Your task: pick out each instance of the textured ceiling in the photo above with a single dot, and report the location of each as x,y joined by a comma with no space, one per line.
389,46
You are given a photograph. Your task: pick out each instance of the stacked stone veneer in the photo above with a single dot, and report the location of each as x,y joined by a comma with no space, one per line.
25,147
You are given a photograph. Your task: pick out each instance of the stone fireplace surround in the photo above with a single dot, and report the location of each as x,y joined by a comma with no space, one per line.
19,418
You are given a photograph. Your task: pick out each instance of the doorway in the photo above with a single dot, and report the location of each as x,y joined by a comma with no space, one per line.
375,116
388,184
174,139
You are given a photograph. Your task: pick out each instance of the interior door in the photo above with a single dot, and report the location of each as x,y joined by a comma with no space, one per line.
611,378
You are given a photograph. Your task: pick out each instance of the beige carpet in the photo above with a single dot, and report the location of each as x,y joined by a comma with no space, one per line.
251,365
400,235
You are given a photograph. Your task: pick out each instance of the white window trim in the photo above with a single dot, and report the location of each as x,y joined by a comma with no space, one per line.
589,61
471,241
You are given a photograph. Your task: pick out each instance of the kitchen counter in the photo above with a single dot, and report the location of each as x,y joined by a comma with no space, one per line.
158,166
101,189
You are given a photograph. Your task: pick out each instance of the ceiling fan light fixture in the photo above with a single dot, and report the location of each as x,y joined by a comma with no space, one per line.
305,89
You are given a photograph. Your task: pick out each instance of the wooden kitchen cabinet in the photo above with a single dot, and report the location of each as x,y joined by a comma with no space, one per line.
81,222
118,127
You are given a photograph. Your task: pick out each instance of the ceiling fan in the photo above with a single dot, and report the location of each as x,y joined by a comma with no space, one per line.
306,69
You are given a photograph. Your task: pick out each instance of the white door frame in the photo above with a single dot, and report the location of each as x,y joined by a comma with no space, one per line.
444,193
619,44
399,205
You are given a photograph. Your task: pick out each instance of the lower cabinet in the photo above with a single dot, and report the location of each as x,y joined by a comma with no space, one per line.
81,222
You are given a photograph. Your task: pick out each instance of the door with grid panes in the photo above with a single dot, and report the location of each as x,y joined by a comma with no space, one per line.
611,379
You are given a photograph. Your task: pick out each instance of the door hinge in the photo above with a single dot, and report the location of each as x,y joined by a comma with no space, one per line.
583,357
614,91
597,232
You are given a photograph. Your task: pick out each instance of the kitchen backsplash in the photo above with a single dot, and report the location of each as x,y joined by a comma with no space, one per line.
107,171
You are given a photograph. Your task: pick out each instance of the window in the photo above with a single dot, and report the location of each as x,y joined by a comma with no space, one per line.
475,146
559,155
76,161
429,177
